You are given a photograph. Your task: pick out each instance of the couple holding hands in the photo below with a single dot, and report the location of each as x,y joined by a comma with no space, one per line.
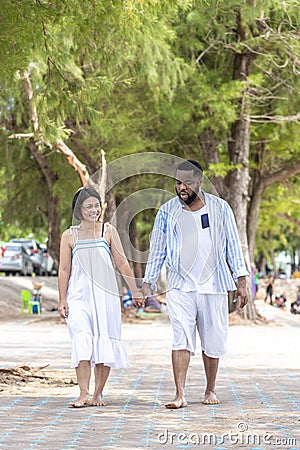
195,235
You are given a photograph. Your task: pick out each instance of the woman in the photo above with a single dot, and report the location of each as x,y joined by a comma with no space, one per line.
88,295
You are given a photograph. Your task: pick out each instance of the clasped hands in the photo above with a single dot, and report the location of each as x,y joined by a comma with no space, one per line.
139,297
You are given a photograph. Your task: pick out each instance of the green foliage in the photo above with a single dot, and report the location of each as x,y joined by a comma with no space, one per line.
21,25
133,76
280,218
221,169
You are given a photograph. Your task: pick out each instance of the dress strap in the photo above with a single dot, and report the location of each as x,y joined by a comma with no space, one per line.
74,232
102,233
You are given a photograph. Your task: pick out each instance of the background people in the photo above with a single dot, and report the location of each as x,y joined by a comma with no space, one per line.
256,281
280,301
152,305
295,306
269,289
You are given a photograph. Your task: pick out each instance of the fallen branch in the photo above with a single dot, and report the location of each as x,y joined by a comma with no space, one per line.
24,370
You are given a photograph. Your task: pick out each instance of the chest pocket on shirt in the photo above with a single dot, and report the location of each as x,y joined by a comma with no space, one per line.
204,221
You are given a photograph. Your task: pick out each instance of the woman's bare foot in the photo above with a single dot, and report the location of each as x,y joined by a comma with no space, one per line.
81,402
97,401
176,403
210,398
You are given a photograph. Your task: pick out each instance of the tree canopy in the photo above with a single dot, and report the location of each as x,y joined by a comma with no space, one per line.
216,81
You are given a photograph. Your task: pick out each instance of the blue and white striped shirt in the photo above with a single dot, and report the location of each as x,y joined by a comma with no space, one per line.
225,251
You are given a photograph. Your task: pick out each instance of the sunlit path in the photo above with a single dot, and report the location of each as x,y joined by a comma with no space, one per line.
257,384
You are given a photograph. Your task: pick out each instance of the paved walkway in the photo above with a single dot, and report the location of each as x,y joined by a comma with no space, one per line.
258,385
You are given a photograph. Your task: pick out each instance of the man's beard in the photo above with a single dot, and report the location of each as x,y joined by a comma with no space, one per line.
191,197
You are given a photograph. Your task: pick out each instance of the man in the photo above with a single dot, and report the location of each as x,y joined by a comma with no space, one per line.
195,234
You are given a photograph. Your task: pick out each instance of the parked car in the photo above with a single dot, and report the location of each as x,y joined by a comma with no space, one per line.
16,260
37,256
51,267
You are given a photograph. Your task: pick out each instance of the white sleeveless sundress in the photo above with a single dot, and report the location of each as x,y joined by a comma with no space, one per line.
94,319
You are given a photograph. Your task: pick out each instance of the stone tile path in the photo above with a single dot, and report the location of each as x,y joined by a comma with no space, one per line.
258,384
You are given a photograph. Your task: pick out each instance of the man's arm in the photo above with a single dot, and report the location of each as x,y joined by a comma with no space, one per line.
234,251
235,258
157,255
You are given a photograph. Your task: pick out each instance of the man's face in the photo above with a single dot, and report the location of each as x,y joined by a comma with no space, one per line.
187,185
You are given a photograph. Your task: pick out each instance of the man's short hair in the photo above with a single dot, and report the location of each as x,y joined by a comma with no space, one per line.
190,164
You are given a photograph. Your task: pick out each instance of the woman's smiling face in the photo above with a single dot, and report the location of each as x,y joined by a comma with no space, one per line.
91,209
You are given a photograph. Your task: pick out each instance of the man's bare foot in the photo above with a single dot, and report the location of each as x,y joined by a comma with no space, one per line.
81,402
176,404
210,398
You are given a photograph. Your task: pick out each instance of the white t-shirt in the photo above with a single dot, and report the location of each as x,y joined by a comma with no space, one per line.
195,245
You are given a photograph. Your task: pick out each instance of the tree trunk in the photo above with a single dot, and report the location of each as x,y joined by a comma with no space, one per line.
260,179
253,213
111,207
136,264
110,200
53,214
211,156
122,218
238,179
272,255
36,144
293,262
238,184
53,227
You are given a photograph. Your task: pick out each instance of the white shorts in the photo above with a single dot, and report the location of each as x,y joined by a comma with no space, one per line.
208,313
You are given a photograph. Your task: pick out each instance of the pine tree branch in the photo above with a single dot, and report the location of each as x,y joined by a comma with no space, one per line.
73,161
59,144
275,119
33,116
103,183
21,136
289,218
280,175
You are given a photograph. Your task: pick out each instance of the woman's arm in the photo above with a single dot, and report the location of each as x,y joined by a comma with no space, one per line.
122,265
64,271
